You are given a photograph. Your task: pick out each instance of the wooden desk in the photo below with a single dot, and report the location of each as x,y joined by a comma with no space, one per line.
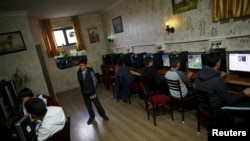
237,80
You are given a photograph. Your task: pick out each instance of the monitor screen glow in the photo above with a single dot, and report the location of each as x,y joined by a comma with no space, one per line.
194,61
165,60
239,62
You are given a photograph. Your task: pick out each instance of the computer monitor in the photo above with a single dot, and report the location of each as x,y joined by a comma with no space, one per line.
138,59
25,129
126,58
165,60
157,58
114,58
194,61
106,59
4,109
239,62
8,93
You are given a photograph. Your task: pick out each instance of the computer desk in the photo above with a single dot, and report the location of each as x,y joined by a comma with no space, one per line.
230,78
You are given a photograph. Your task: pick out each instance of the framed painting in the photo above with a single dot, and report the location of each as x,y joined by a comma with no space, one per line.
11,42
117,24
180,6
93,34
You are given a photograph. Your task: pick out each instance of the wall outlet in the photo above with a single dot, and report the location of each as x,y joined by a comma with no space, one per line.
217,43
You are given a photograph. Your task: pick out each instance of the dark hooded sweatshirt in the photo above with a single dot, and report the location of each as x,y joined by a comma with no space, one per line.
210,80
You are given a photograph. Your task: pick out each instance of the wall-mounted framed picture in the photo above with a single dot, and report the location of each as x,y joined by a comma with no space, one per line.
11,42
180,6
117,24
93,34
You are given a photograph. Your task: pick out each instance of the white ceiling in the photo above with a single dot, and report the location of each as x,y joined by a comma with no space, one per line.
43,9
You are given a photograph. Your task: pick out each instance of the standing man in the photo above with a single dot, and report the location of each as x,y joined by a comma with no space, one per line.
88,82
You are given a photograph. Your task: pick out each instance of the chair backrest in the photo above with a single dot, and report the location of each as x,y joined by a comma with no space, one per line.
203,100
51,101
64,134
174,85
148,85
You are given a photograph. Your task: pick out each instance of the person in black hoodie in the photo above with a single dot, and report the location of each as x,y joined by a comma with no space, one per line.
88,82
210,79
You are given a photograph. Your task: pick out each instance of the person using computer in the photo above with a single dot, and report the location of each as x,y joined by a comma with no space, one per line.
175,74
124,77
150,71
210,79
49,119
26,93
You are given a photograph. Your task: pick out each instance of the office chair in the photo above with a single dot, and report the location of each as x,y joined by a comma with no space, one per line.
174,85
155,98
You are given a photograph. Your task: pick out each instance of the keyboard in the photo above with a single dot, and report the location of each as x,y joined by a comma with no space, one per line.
235,88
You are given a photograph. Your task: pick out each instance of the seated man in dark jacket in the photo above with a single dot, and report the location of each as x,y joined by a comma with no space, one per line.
150,71
210,79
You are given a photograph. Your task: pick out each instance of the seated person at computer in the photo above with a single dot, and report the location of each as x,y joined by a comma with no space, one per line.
150,71
175,74
124,77
50,120
210,79
25,94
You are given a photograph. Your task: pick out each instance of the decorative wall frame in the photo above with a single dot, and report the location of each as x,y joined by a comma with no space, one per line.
180,6
117,24
11,42
93,34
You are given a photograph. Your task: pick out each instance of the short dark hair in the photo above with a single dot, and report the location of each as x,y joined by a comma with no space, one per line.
210,58
174,61
24,92
36,106
121,62
83,61
147,60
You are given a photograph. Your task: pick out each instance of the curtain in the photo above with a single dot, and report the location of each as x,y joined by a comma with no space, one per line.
79,37
225,9
241,8
48,38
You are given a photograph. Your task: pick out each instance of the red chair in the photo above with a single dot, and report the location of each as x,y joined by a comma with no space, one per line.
174,85
154,98
51,101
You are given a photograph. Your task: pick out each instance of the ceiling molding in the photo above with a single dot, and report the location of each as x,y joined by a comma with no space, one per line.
112,6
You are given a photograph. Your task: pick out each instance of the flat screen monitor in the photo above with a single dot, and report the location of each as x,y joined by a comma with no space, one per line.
126,58
114,58
165,60
25,129
4,109
106,59
239,62
8,94
138,60
194,61
157,58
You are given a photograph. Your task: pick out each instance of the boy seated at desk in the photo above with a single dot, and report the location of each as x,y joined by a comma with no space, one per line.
175,74
210,79
49,120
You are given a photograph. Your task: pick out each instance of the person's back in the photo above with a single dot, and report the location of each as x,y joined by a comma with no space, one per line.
209,79
49,120
174,74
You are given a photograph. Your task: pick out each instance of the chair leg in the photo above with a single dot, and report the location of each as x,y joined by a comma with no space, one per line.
147,109
154,115
198,122
171,111
182,112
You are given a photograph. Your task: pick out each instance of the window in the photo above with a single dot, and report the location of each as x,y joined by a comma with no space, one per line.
65,36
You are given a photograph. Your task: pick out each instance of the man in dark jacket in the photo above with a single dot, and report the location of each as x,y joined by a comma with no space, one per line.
88,82
210,79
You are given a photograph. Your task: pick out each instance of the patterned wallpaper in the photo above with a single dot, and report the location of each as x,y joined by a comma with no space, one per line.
144,23
144,30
